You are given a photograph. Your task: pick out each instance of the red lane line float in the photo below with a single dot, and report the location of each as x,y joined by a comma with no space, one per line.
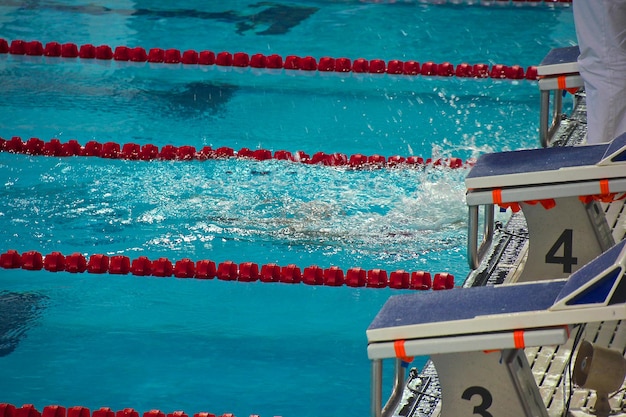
270,273
147,152
29,410
226,271
376,278
244,60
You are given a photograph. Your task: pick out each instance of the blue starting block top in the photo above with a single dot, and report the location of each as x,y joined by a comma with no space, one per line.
596,282
549,165
559,61
593,293
465,304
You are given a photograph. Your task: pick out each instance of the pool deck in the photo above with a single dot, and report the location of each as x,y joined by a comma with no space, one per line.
551,365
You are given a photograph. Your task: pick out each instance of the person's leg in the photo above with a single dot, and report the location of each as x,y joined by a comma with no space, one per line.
601,32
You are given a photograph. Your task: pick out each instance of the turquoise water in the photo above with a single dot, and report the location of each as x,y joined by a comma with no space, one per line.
270,349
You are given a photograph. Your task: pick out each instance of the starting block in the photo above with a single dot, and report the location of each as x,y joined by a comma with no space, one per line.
557,72
559,190
476,336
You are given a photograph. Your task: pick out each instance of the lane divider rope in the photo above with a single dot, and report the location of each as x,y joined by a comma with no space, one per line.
269,62
147,152
29,410
333,276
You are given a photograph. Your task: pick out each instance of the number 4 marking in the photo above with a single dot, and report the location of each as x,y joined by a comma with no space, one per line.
567,260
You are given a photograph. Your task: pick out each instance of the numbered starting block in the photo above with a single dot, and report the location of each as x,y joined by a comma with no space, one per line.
558,72
560,191
476,336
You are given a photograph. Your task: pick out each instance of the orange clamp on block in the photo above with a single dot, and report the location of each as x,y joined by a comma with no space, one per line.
515,207
604,186
518,339
398,346
496,196
548,203
561,82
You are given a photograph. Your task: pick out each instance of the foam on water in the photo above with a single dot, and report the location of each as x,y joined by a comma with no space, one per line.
369,218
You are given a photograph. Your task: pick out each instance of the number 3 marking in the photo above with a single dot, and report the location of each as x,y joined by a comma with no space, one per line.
487,400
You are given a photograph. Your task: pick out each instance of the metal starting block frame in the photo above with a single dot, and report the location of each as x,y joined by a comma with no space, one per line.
476,336
557,72
569,233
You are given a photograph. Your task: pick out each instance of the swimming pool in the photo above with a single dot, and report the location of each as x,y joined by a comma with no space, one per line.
271,349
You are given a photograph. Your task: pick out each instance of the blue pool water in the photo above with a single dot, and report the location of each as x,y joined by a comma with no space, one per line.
270,349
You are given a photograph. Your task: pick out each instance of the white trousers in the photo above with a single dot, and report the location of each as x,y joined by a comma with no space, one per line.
601,32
